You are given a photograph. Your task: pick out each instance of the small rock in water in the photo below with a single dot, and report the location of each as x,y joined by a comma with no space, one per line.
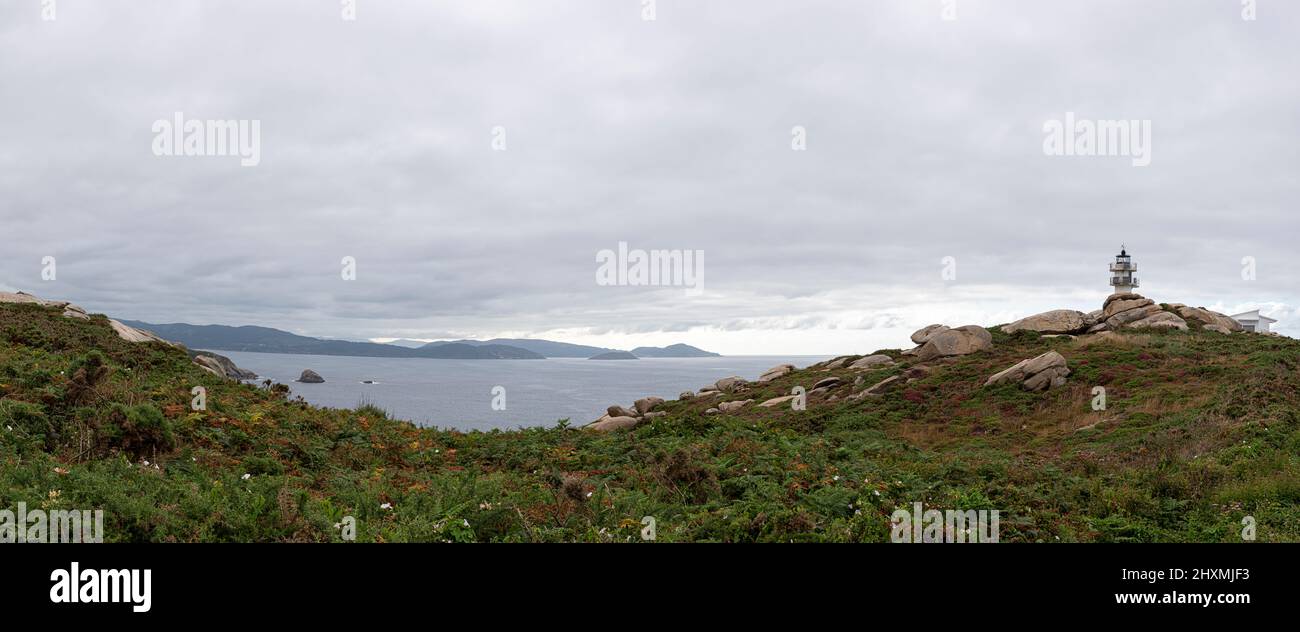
310,377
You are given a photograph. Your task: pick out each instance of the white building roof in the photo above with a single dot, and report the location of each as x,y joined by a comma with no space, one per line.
1253,315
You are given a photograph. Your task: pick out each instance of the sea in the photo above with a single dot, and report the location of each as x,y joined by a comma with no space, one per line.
460,394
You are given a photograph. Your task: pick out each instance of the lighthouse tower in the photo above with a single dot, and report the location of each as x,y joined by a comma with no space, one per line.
1121,273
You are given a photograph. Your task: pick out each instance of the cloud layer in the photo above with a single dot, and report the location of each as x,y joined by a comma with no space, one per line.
924,141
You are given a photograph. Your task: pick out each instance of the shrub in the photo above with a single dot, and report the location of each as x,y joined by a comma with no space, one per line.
139,430
87,372
28,419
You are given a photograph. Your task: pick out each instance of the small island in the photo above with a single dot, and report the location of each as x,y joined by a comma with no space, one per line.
673,351
614,355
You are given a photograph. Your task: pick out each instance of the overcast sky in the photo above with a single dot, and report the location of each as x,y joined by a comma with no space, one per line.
924,140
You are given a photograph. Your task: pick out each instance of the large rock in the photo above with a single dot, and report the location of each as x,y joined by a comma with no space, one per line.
608,423
310,377
221,365
646,404
872,361
955,342
1160,320
775,372
1035,374
921,335
730,384
1116,303
131,334
1057,321
777,401
619,411
827,382
727,407
877,389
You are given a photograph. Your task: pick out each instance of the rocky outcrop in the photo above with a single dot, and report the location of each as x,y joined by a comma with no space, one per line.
945,342
872,362
619,411
210,365
127,333
1036,374
310,377
220,365
1057,321
1124,308
1134,311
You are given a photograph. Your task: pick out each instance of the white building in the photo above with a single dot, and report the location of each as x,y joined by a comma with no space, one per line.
1121,273
1253,321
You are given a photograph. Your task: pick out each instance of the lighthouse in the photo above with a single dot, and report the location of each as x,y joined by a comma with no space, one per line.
1121,272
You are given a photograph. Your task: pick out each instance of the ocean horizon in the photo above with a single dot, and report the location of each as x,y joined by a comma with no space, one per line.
458,394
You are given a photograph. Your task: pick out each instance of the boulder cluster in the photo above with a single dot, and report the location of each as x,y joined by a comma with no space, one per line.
938,343
1125,310
1212,321
617,417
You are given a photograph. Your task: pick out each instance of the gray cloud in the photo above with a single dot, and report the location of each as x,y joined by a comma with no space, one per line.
924,141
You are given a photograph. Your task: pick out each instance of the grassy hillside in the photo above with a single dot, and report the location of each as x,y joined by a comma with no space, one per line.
1201,429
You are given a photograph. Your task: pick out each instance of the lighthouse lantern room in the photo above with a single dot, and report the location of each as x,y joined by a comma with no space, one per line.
1121,273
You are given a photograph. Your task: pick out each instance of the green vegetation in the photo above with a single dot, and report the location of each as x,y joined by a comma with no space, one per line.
1200,430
